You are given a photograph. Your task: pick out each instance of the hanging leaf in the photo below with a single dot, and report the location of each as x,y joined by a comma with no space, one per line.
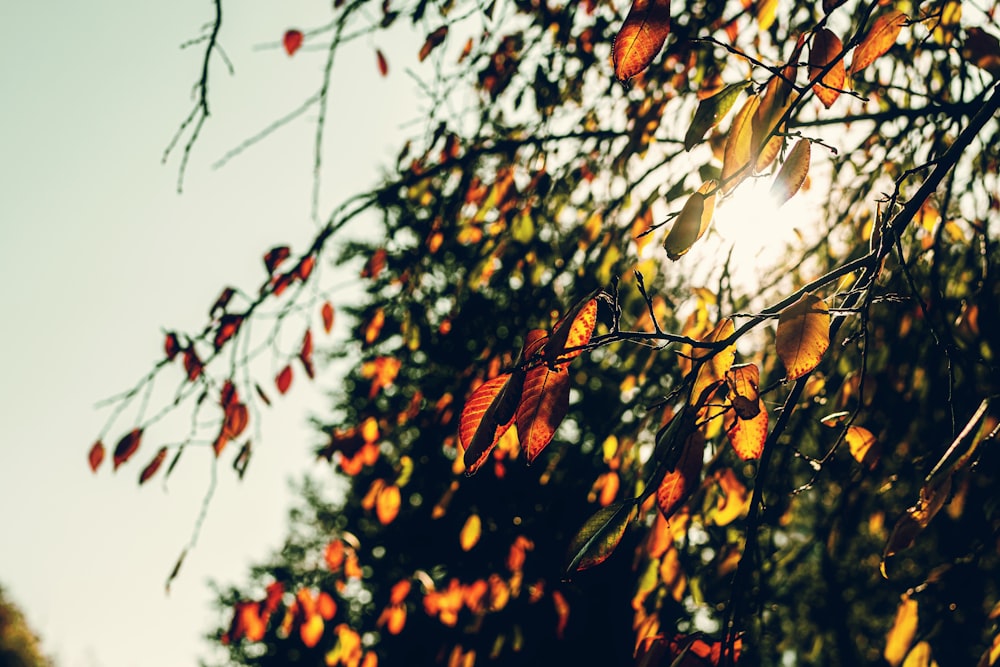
153,466
383,64
242,459
544,404
711,111
599,536
306,353
284,379
713,371
192,364
171,345
747,436
274,257
863,446
487,415
177,569
793,172
326,312
641,37
572,331
743,382
826,47
127,446
777,98
902,632
737,156
879,39
982,50
912,523
678,484
292,41
803,335
235,421
96,456
471,531
692,222
229,326
433,41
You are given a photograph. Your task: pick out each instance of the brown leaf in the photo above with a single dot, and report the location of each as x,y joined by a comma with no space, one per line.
641,37
192,364
803,335
793,172
678,484
433,41
383,64
153,466
879,39
826,46
96,456
932,497
229,326
544,404
127,446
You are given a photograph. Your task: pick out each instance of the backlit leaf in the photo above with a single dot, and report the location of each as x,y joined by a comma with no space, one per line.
433,41
292,41
715,369
544,404
778,96
863,446
678,484
902,633
747,436
96,455
572,331
738,153
599,536
793,172
711,111
153,466
743,382
284,379
803,335
387,504
766,11
692,222
920,656
480,427
471,531
326,312
311,630
641,37
982,50
879,39
127,446
826,46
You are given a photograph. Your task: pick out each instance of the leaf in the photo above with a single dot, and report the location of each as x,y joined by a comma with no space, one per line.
236,418
242,459
641,37
826,47
284,379
692,222
572,331
383,64
902,632
678,484
326,312
863,446
433,41
387,504
599,536
982,50
714,370
192,364
305,354
127,446
803,335
96,456
932,497
793,172
744,381
177,569
274,257
171,345
778,96
711,111
920,656
471,531
544,404
747,436
879,39
766,11
220,304
292,41
153,466
737,156
229,326
311,631
480,426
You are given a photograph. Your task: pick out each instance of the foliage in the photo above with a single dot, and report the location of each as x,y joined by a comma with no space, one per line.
19,646
691,499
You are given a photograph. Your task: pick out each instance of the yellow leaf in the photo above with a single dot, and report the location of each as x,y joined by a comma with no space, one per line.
904,629
471,532
733,501
747,424
826,46
992,654
641,37
714,370
863,447
879,39
803,335
920,656
793,172
387,504
766,10
711,111
692,222
778,96
739,146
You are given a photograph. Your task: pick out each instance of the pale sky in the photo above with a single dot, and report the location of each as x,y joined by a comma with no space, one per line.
98,254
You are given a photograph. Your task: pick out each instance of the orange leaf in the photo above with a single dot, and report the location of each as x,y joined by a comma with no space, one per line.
562,612
284,379
471,532
433,41
334,555
399,591
678,484
311,630
544,404
826,46
326,606
902,633
306,352
863,446
383,64
641,37
235,420
326,312
803,335
126,447
714,370
387,504
879,39
739,146
292,41
487,415
793,172
747,436
153,466
192,364
572,331
743,381
96,455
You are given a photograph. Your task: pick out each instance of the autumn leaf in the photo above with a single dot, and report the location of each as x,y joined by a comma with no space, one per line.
326,312
482,425
803,335
715,369
826,47
127,446
793,172
902,632
879,39
274,257
692,222
235,421
932,498
641,37
711,111
153,466
599,536
863,446
284,379
747,436
292,41
387,504
737,156
192,364
305,354
777,98
766,12
229,326
544,404
470,533
433,41
311,630
383,64
678,484
96,456
171,345
982,50
572,331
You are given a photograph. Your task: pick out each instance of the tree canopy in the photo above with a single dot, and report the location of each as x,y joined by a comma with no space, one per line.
781,458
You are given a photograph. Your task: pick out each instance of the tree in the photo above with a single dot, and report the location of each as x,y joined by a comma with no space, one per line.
18,642
795,468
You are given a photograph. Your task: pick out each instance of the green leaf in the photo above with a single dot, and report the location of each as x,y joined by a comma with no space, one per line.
711,111
600,535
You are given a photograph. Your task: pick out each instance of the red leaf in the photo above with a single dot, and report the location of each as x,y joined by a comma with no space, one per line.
572,331
229,325
305,268
292,41
433,41
171,346
228,395
153,466
544,404
306,352
480,426
223,301
96,455
373,267
192,364
274,257
284,379
327,314
281,283
235,421
641,37
383,64
126,446
680,483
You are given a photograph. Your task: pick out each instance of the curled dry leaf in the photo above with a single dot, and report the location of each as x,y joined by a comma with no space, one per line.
827,47
641,37
879,39
803,335
793,172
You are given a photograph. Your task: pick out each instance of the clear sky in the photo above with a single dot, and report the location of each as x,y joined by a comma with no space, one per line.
98,253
